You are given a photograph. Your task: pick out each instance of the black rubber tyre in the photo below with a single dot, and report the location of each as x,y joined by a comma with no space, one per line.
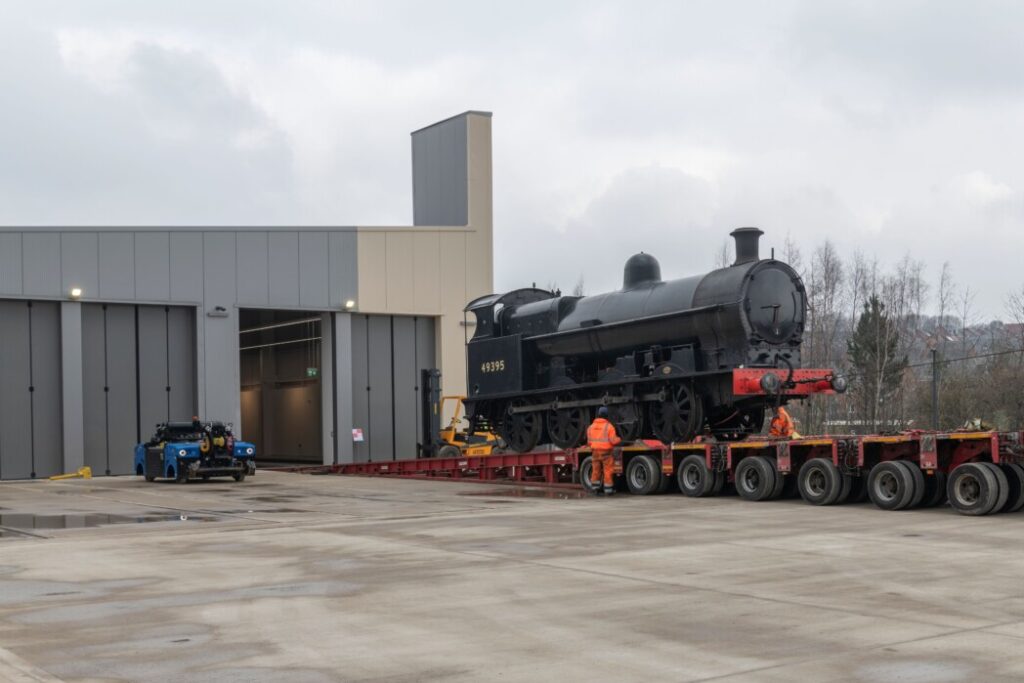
820,482
755,478
891,485
667,484
919,489
972,489
238,476
858,489
780,483
934,489
718,485
181,476
449,451
1015,477
586,471
1004,486
642,475
791,487
695,480
149,478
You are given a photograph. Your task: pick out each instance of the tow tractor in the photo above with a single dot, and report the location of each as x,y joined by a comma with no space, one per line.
188,450
452,441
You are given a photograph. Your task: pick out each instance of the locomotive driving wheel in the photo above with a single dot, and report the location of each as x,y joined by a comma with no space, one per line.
628,420
568,426
679,416
522,431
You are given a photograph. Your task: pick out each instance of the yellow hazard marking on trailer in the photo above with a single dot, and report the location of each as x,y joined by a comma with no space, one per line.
751,444
887,439
688,446
811,442
971,435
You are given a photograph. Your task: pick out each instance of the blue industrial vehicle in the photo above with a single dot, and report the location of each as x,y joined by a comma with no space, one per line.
189,450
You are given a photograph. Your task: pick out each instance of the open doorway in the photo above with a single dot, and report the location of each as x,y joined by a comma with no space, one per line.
280,385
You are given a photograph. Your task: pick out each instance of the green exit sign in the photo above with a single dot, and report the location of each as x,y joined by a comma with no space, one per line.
312,372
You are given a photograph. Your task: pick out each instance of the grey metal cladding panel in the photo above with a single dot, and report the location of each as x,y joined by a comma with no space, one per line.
80,262
219,255
284,268
15,413
94,409
10,263
440,174
41,264
253,278
121,420
47,425
152,367
382,442
405,385
360,395
314,269
187,266
117,265
344,269
152,266
181,359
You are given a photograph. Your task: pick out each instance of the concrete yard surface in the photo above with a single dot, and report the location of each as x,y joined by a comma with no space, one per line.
291,577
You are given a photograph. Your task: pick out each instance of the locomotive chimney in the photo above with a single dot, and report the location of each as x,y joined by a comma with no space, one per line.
746,244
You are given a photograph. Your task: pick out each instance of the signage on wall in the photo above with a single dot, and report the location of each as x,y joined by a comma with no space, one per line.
357,435
312,372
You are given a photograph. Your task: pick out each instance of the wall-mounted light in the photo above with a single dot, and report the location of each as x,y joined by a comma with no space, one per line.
350,304
75,293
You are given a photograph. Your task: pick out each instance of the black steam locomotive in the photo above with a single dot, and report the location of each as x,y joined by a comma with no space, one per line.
670,360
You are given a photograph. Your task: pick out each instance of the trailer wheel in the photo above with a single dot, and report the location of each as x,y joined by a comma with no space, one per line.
695,480
820,482
1004,486
1015,477
642,475
858,489
755,478
891,485
586,469
918,476
791,489
718,483
972,489
780,484
935,489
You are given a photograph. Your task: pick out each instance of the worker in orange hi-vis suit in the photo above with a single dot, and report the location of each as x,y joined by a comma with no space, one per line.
602,439
782,425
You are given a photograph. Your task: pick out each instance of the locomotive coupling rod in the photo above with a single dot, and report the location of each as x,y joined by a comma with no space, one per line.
559,405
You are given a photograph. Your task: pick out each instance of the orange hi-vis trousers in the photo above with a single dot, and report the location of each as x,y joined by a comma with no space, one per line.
603,465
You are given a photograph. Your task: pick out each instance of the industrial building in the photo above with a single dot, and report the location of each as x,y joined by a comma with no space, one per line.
309,339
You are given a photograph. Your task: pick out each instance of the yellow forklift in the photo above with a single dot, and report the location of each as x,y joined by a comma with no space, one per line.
453,441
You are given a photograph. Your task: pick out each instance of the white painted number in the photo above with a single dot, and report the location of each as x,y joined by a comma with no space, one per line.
492,366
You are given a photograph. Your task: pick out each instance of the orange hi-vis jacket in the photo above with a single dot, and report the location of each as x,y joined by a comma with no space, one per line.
601,435
782,424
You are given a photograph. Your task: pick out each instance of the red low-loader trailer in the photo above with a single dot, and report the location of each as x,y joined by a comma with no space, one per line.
979,473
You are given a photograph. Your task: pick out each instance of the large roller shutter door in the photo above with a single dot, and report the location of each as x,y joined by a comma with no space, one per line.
138,370
30,390
388,353
109,387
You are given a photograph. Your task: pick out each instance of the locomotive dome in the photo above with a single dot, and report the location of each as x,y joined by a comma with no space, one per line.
640,268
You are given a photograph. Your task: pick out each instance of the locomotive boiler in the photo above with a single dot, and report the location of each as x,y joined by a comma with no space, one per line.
670,359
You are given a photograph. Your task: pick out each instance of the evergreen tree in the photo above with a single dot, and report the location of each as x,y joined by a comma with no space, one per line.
874,350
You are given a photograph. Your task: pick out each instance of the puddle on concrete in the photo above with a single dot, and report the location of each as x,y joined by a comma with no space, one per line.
529,492
81,521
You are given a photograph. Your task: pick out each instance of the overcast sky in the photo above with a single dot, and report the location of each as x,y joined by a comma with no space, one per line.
618,127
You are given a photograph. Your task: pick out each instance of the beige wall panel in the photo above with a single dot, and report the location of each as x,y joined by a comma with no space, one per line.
450,334
427,295
373,276
401,281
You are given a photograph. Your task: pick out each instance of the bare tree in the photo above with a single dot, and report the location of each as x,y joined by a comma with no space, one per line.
577,289
723,255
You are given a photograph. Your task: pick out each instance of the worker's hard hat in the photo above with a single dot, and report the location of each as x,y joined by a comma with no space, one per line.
602,411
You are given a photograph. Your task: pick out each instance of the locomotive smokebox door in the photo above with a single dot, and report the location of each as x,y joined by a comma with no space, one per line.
495,366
